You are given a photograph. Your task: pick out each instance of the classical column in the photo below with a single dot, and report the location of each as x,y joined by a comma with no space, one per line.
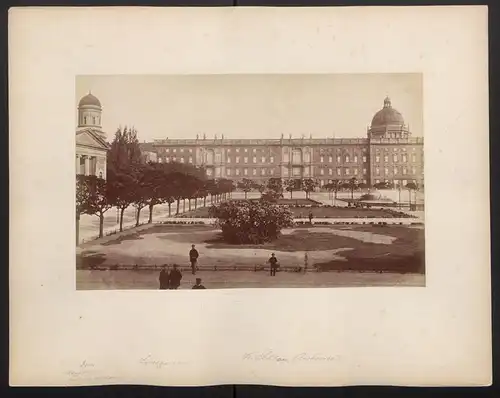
87,165
92,166
78,171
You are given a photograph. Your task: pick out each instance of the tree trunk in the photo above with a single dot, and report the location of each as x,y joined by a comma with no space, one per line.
205,201
246,195
184,205
122,210
178,205
352,193
335,198
169,209
150,213
138,217
77,228
101,225
189,204
291,193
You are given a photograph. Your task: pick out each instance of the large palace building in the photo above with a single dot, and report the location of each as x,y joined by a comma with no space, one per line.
388,153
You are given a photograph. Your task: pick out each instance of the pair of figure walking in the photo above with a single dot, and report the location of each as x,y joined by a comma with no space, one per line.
170,280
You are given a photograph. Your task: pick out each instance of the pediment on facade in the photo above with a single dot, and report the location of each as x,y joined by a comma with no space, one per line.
89,138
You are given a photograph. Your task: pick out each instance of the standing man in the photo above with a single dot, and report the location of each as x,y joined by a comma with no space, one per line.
164,278
273,261
198,284
310,216
175,278
193,258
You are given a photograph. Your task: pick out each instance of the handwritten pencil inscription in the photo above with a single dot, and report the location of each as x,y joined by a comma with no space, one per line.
149,360
271,356
87,371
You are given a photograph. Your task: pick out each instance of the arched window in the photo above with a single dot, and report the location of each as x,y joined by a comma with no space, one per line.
85,120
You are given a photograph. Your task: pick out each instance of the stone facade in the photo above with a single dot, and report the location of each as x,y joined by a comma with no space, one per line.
388,153
91,145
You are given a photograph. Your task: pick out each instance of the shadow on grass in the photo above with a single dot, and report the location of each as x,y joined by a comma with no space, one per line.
89,260
397,264
408,241
155,229
120,239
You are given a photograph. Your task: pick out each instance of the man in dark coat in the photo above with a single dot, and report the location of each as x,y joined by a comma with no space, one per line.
193,258
198,284
310,217
273,261
175,278
164,278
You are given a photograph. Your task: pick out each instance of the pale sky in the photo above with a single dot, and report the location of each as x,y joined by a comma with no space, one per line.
251,106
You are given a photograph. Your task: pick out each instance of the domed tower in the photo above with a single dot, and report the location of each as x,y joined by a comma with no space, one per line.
388,123
89,113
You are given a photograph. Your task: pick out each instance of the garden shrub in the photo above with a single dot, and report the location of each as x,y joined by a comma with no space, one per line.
251,222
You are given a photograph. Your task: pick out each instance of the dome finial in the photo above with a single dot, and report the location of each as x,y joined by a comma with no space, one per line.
387,102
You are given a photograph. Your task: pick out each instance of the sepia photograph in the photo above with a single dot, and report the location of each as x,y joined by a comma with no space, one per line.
249,181
280,170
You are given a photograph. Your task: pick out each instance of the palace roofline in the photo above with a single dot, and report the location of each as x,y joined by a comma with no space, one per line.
288,141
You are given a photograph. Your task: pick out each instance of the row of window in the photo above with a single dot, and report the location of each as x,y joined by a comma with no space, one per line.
174,159
263,172
347,159
395,158
87,119
181,150
245,150
396,170
345,171
245,159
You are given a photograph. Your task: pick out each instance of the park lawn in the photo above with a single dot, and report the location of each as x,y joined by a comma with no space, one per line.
341,212
318,212
404,255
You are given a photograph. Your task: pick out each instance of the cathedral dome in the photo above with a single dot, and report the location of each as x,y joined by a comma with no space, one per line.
89,100
387,116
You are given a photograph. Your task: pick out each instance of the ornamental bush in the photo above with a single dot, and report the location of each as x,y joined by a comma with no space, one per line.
251,222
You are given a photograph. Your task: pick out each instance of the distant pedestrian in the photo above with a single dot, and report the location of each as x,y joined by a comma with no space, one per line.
273,262
198,284
193,258
164,278
175,278
310,217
